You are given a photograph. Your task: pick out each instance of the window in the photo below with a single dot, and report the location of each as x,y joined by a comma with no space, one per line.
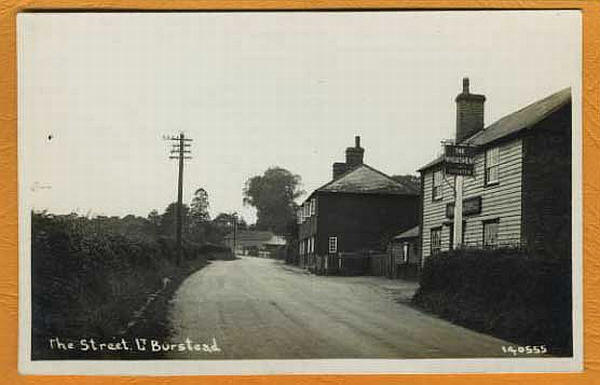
299,216
490,233
491,165
436,240
333,245
313,206
437,185
405,251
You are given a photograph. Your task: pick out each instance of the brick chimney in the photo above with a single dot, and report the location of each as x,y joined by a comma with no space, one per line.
354,155
338,169
469,113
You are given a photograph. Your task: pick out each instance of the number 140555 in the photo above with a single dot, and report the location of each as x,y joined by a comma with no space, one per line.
529,349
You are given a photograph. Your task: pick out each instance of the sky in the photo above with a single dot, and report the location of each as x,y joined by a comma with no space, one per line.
98,92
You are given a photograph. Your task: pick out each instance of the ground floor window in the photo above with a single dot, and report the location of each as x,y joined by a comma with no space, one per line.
490,233
333,245
436,240
405,251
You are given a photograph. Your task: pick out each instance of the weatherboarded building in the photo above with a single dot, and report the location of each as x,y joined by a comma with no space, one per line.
520,193
360,209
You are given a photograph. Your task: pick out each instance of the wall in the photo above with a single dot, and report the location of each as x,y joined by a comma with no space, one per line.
502,200
363,221
547,167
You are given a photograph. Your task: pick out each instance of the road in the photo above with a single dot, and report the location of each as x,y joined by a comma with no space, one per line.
261,309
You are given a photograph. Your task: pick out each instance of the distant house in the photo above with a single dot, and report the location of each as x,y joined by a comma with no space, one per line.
520,194
257,243
272,247
358,210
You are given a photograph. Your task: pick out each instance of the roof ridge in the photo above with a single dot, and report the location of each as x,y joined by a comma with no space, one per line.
563,97
338,178
405,190
387,176
529,105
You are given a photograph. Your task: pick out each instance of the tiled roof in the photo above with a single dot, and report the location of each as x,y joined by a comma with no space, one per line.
518,121
437,160
522,119
411,233
364,179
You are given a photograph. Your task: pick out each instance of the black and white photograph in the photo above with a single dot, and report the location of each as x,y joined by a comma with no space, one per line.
299,192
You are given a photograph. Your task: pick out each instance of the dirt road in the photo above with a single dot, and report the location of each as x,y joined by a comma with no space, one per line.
261,309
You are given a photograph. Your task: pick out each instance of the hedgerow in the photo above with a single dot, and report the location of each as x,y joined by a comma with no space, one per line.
505,292
89,275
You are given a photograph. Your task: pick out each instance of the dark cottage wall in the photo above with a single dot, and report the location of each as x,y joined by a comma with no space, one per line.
547,185
362,221
308,228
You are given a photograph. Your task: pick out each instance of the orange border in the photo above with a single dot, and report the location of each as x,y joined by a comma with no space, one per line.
8,188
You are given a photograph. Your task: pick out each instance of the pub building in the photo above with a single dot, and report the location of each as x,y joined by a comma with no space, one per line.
516,185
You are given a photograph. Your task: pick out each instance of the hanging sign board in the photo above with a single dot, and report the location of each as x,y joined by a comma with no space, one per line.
470,206
459,159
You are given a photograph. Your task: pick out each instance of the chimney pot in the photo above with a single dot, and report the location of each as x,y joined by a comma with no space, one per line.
354,155
469,113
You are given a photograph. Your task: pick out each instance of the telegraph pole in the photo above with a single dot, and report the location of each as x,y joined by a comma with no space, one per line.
180,147
234,232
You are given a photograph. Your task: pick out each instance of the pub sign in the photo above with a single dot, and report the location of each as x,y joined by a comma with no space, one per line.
459,159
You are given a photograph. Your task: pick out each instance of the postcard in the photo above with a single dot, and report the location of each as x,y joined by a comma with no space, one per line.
300,192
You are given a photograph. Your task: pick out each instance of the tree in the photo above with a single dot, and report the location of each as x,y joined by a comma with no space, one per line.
225,221
199,207
168,220
412,182
273,194
154,219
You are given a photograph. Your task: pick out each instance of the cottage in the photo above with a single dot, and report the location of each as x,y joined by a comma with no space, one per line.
257,243
358,210
520,192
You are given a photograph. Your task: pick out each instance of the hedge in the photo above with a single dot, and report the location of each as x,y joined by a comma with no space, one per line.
87,280
505,292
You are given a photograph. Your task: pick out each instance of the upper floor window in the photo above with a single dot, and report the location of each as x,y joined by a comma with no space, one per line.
333,245
313,206
437,185
491,165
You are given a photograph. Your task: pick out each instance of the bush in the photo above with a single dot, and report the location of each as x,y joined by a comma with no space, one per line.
88,277
504,292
